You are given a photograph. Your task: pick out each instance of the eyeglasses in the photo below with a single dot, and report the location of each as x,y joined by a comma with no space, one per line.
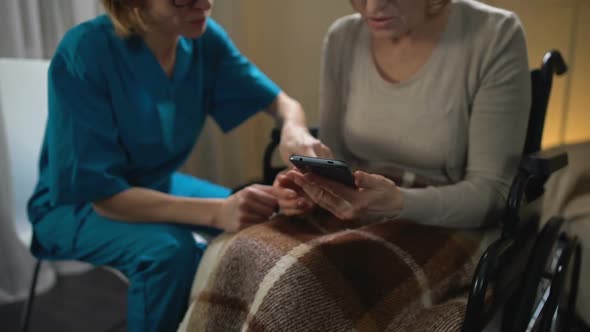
184,3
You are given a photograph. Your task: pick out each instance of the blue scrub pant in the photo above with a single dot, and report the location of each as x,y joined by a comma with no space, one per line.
160,260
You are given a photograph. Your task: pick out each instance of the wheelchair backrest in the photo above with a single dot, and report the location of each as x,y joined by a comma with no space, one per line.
541,82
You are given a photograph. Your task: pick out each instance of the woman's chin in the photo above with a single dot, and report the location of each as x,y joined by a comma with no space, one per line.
386,33
385,28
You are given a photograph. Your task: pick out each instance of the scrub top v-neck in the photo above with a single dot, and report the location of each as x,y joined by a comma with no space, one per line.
116,120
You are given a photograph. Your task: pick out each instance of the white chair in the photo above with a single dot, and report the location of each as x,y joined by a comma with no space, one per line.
23,114
23,111
23,104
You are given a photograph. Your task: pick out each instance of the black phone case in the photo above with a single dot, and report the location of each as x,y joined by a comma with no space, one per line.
332,169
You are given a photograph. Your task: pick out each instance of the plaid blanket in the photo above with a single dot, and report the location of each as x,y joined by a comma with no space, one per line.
322,274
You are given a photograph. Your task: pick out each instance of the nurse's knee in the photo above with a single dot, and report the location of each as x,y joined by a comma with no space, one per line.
174,252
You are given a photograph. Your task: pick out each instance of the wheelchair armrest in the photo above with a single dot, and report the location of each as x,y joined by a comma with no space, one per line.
544,163
275,135
528,186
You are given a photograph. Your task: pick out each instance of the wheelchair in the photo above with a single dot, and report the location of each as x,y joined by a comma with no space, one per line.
526,280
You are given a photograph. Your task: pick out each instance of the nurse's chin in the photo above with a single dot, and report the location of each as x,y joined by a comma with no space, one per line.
192,34
194,29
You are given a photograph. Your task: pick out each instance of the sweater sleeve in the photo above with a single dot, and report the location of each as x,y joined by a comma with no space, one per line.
333,84
497,128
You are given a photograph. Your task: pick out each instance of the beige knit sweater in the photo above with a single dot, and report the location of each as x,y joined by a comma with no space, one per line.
461,120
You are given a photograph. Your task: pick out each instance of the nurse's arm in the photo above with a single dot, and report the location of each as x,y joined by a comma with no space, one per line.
287,112
295,137
249,206
146,205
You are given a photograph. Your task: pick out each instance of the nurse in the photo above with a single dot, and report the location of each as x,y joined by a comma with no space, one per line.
128,95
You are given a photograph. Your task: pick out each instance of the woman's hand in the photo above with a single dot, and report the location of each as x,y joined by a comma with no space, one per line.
376,196
292,200
249,206
296,139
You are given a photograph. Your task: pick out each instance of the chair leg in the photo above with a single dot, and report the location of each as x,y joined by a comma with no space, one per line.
30,299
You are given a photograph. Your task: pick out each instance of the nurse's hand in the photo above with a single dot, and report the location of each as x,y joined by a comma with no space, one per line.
296,139
247,207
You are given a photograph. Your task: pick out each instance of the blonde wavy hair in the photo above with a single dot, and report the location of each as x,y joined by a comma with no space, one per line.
126,15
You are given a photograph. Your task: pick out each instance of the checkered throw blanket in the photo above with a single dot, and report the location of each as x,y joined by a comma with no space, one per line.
323,274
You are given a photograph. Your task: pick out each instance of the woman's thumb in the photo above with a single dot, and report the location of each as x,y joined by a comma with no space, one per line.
365,180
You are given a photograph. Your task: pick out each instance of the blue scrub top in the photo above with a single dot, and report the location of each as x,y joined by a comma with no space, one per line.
116,120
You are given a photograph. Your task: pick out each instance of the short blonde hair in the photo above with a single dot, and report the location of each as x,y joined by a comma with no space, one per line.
126,17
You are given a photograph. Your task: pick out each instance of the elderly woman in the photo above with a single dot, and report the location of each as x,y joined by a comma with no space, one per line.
128,96
430,99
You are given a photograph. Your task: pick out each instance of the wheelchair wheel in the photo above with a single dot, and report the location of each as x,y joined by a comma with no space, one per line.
560,306
556,293
547,297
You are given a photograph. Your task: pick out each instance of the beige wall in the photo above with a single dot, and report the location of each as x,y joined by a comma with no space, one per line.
288,36
284,38
564,25
578,117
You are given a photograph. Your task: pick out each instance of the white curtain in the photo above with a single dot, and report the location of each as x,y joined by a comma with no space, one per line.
33,28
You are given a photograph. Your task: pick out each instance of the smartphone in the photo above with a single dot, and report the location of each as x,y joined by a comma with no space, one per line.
332,169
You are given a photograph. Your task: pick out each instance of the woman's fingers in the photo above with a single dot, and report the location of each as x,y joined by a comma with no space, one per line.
334,187
292,212
292,200
371,181
259,202
285,181
324,198
294,205
286,194
290,203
